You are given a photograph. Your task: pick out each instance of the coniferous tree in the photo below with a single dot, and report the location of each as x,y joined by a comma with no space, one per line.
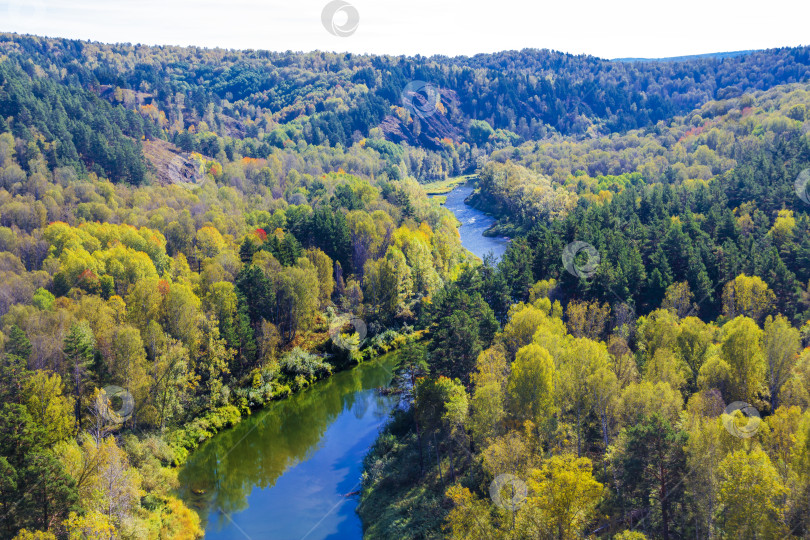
78,349
18,343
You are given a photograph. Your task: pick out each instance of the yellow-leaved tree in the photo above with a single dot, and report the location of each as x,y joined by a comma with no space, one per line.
92,524
531,384
563,495
749,296
749,499
741,349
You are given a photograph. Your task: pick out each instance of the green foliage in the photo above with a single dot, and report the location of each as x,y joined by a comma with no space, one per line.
298,197
396,502
206,426
18,343
298,364
43,300
462,326
78,349
36,491
93,135
480,132
650,464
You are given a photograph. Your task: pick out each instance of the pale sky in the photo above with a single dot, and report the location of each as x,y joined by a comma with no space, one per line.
621,28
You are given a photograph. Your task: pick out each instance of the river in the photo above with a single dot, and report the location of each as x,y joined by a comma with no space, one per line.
473,224
289,471
286,472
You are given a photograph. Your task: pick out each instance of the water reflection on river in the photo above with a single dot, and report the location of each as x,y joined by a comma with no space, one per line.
284,472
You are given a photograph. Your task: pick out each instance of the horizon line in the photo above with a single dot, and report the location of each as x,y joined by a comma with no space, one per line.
674,58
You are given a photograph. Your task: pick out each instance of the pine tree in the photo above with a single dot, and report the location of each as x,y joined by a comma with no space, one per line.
78,348
18,343
13,375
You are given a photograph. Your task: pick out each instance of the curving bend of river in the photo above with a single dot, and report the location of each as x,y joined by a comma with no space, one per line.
473,224
288,471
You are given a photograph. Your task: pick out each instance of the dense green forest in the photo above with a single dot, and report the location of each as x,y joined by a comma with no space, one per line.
224,102
649,382
185,233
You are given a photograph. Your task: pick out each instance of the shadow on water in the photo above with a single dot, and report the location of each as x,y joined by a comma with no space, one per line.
286,471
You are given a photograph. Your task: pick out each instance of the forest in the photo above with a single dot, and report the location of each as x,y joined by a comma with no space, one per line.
658,391
183,232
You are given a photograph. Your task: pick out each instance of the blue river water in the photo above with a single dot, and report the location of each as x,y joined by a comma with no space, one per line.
291,471
473,224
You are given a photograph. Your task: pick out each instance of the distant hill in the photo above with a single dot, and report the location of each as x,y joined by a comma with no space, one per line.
102,98
711,56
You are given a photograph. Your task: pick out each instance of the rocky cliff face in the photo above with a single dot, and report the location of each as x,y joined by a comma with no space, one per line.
171,165
425,119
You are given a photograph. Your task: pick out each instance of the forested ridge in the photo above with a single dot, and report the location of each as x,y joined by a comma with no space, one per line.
250,102
636,365
187,234
140,317
203,303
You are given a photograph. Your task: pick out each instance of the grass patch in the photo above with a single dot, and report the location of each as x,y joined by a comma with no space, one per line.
396,500
446,186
